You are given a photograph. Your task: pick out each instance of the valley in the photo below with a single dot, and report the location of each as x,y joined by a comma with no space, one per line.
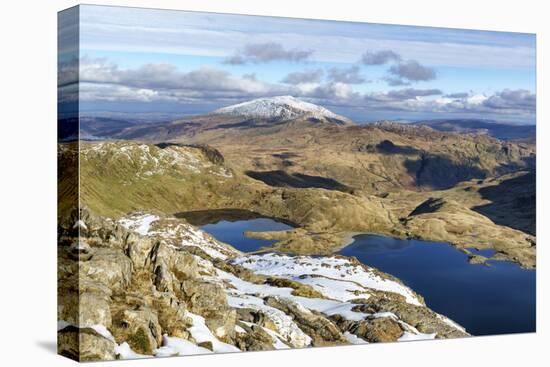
158,201
328,177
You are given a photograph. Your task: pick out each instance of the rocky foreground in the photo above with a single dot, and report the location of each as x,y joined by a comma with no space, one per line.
148,285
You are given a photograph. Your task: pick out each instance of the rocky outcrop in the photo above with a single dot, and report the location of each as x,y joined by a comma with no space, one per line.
321,330
208,300
377,330
85,344
153,286
253,338
385,181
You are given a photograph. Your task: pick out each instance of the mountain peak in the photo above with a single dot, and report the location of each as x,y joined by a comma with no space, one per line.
280,108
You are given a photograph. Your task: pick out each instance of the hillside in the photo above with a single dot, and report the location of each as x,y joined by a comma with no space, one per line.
504,131
373,158
121,177
327,178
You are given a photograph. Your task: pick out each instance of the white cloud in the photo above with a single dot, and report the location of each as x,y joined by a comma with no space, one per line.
101,80
351,75
257,53
304,77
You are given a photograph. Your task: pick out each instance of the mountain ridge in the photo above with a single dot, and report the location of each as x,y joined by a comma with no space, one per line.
280,108
499,130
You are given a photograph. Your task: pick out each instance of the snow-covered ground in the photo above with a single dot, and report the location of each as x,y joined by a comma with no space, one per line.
177,234
150,160
200,332
243,294
140,223
336,277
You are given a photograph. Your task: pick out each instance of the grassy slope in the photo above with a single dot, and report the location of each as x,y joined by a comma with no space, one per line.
119,177
376,159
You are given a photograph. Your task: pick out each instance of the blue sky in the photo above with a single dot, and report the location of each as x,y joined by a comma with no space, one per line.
134,60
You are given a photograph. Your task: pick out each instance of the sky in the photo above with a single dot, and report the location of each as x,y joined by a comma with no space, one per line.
137,60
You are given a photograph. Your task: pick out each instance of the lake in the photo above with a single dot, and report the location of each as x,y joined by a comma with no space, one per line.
229,225
486,300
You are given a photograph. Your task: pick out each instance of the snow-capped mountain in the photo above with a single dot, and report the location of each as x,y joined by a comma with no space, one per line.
280,108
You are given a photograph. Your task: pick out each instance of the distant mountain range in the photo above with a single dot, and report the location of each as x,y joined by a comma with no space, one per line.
267,113
503,131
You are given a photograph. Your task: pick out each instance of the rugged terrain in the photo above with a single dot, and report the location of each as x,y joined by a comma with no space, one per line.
499,130
141,280
148,285
330,181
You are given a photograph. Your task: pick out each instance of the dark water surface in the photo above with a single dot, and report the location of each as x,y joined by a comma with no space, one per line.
486,300
229,225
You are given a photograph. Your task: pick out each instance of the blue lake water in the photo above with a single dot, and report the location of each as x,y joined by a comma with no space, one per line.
486,300
232,232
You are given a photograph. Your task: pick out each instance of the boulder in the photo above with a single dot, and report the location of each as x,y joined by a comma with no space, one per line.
319,328
139,327
209,300
184,266
84,345
250,315
254,339
108,266
377,330
422,318
172,316
94,309
138,249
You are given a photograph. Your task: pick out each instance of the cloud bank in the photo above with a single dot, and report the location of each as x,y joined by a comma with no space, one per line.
351,75
304,77
379,57
103,81
267,52
413,71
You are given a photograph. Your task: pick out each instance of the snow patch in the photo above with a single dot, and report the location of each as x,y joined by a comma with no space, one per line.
140,223
172,346
125,352
450,322
276,337
201,333
179,234
280,107
408,336
102,330
331,268
354,339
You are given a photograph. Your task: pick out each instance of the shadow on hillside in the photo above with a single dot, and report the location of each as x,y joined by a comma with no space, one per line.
297,180
388,147
439,172
285,155
250,124
212,216
513,203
